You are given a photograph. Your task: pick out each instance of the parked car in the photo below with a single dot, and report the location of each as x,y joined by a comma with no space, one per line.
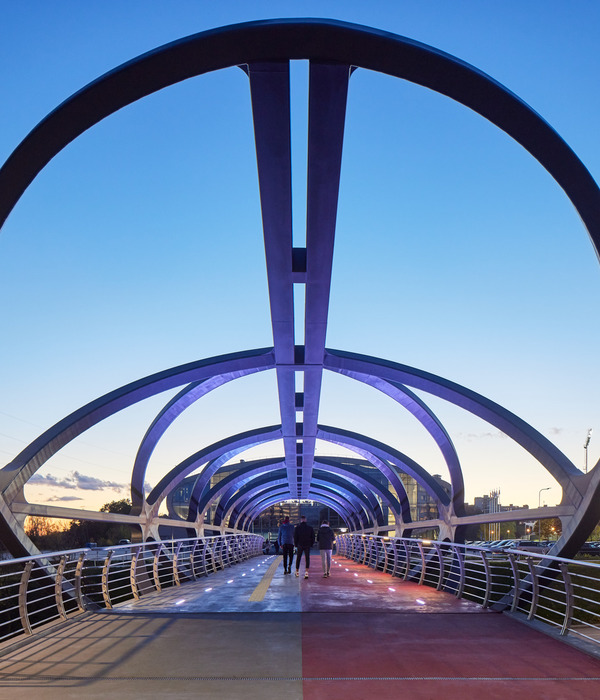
590,548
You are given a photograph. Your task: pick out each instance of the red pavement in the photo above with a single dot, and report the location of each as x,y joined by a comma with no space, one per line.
439,656
429,650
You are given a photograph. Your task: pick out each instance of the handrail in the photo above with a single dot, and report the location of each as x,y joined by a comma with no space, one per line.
58,585
562,593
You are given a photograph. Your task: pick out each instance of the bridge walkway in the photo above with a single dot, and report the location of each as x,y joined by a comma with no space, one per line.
252,632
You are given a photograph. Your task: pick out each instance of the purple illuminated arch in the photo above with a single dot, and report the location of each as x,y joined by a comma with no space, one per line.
263,481
265,49
270,41
354,504
228,486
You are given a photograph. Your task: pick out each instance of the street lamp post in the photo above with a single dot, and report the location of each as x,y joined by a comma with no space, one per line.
585,447
547,488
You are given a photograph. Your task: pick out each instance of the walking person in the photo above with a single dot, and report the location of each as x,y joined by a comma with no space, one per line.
326,539
285,538
304,538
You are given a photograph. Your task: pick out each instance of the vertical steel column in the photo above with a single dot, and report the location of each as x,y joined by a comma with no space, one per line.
213,554
23,587
135,554
460,557
219,545
204,552
386,544
175,565
396,558
78,587
564,570
488,579
440,556
516,581
58,592
407,563
535,589
105,573
155,573
193,560
423,562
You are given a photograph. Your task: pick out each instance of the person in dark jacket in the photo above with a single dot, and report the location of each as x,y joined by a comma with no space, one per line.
285,537
325,538
304,538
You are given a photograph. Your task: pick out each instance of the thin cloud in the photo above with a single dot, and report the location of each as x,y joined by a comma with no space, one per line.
76,480
469,437
56,499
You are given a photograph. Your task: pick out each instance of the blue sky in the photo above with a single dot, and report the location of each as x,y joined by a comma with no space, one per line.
140,246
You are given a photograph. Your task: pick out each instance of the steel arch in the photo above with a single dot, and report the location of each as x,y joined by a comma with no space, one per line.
324,43
350,493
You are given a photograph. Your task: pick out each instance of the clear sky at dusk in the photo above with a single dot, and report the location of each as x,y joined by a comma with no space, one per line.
139,247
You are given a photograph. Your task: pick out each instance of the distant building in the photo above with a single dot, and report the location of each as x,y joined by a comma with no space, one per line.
491,504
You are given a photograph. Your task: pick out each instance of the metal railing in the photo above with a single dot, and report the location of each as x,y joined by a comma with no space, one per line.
35,591
563,593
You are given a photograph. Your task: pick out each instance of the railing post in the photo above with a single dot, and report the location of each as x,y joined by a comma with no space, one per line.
78,587
155,575
488,579
135,553
58,592
105,589
440,556
385,546
395,548
215,555
517,583
568,597
535,589
204,552
175,565
225,551
462,573
423,563
23,585
193,559
407,564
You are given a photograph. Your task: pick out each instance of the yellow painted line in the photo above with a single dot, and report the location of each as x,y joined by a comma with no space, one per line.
259,592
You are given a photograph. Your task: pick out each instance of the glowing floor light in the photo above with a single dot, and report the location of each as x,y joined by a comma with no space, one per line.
420,601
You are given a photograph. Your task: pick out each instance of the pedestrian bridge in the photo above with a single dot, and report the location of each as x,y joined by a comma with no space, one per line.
218,618
211,616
